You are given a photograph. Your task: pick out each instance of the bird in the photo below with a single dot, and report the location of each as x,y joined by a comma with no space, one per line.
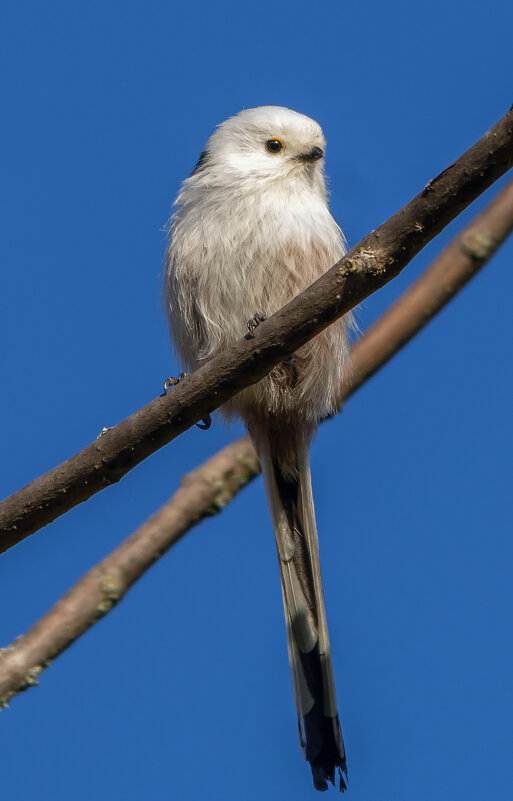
251,229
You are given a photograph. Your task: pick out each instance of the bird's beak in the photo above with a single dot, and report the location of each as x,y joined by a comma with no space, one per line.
314,154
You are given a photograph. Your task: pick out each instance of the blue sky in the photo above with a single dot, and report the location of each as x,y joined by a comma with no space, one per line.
183,691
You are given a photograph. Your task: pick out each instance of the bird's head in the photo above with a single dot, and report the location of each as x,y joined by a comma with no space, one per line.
264,144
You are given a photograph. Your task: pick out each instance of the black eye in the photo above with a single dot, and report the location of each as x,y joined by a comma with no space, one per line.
274,145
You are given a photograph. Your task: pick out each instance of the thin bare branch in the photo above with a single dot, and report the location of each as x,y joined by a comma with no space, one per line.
204,491
377,259
463,257
209,488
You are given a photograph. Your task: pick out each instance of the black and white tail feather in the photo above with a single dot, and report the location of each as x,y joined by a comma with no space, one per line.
291,505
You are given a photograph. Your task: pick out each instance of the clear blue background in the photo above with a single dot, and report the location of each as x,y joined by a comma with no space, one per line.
183,692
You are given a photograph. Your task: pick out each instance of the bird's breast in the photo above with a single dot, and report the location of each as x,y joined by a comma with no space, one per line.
234,256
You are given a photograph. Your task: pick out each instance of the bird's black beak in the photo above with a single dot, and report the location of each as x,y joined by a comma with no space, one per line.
314,154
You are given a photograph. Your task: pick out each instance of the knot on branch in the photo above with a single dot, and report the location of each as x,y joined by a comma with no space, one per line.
240,465
111,589
478,245
25,681
365,263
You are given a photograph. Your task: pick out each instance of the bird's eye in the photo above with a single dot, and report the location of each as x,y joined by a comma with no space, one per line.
274,145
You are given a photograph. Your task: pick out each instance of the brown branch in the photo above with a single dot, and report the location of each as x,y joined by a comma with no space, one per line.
203,492
463,257
209,488
377,259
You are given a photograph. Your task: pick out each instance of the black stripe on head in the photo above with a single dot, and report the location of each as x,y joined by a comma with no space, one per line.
201,163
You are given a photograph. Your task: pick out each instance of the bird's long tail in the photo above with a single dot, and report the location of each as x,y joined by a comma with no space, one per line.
289,494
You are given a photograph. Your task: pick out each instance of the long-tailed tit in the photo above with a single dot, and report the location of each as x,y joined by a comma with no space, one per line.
252,230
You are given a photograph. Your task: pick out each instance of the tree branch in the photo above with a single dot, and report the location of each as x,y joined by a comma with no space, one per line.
463,257
203,492
210,487
377,259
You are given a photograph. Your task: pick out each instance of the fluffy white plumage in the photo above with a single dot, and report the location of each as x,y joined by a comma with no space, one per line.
251,230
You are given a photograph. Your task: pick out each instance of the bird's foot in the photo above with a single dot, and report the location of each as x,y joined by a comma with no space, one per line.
171,382
252,324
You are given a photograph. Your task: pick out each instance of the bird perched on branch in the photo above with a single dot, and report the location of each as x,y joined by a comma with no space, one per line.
252,230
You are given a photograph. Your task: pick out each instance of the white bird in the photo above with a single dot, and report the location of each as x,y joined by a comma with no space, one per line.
252,229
